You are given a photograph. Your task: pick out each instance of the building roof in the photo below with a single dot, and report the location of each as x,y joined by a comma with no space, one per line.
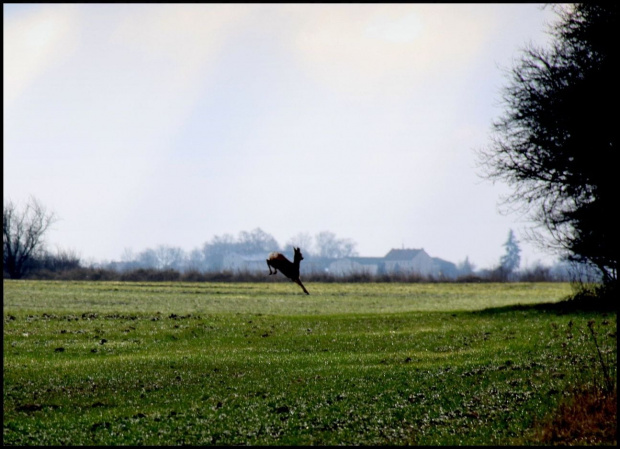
403,254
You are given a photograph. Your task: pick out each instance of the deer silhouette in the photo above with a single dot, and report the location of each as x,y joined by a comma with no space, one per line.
289,269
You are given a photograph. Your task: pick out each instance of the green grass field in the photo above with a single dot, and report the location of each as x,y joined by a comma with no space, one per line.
107,363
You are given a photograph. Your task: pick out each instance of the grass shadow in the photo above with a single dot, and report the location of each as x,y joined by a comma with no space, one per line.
568,305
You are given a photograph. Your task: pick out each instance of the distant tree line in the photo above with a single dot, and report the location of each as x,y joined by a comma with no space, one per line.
210,257
51,269
25,256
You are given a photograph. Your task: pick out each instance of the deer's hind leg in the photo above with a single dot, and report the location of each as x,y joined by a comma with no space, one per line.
298,282
269,265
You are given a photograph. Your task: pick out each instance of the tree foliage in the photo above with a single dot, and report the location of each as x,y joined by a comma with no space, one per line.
555,144
22,235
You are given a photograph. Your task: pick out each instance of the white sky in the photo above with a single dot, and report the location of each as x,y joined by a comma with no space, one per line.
149,124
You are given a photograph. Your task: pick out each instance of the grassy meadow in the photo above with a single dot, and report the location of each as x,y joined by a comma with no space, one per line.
111,363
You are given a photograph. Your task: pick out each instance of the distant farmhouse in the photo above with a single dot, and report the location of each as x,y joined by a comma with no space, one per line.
244,263
397,261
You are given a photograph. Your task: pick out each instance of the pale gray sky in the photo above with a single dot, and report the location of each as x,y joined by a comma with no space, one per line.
149,124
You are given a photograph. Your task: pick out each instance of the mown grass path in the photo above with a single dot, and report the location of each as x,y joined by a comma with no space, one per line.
263,364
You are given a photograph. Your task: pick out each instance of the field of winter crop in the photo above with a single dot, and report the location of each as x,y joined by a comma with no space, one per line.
106,363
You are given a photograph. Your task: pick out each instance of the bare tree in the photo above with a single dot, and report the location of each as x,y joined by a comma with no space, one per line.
256,241
196,260
302,240
214,250
169,257
328,245
147,259
253,242
22,235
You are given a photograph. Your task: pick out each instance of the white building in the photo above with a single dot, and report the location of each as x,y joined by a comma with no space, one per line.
244,263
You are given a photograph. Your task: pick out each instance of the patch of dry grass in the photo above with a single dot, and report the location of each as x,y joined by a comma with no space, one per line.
587,418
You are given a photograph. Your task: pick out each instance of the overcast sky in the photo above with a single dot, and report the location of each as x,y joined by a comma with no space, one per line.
148,124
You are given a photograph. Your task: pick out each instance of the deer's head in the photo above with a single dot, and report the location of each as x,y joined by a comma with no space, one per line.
298,255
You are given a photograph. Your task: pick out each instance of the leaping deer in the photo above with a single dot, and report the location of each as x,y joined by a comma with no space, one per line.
289,269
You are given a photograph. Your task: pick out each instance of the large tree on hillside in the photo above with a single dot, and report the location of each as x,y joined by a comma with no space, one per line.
556,143
22,235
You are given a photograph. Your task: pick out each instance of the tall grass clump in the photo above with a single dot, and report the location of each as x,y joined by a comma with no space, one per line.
588,415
